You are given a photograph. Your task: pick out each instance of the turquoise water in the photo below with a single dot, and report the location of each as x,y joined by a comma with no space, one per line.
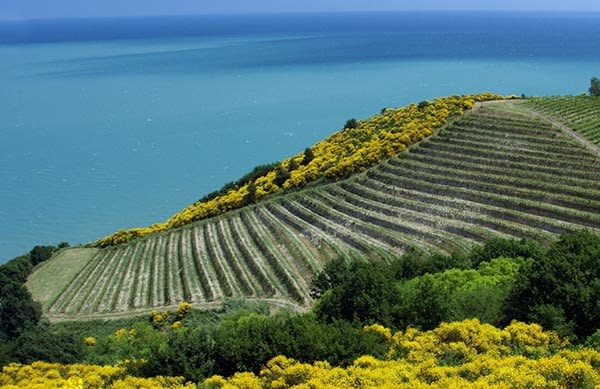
104,130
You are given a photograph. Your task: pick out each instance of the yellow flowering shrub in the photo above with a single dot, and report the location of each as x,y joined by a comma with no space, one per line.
89,341
183,309
158,318
346,152
43,375
466,354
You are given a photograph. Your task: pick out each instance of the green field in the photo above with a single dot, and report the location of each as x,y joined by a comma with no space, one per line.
52,277
581,113
498,171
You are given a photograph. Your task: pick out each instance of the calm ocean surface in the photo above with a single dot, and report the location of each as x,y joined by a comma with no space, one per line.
115,123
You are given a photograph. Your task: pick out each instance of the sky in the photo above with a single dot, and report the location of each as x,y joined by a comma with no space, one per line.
43,9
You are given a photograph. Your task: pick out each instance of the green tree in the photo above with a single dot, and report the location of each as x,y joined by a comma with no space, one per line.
595,86
424,303
308,156
510,248
351,123
361,292
561,288
40,343
18,311
187,352
251,195
281,175
40,254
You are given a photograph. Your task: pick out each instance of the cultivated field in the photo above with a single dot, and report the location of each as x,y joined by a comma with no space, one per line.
581,113
494,172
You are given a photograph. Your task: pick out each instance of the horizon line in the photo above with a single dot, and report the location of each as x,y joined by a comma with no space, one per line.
308,12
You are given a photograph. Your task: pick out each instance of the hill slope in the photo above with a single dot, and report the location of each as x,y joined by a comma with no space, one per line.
499,170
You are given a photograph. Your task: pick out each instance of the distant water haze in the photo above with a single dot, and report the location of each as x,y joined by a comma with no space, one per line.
116,123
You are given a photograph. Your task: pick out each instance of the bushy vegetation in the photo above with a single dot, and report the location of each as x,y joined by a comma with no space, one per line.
23,333
501,281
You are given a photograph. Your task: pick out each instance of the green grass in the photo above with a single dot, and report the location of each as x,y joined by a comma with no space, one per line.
50,278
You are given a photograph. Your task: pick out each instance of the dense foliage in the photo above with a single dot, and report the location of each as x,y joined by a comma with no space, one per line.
560,289
23,335
358,146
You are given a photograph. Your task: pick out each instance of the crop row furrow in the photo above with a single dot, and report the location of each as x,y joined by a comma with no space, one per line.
250,254
75,286
120,295
588,175
353,221
216,257
502,156
114,286
521,174
535,188
499,219
282,252
503,126
310,263
157,294
514,203
189,273
93,299
274,261
141,293
139,278
541,151
184,259
309,231
234,258
326,226
485,184
208,275
435,219
396,230
171,277
553,142
90,283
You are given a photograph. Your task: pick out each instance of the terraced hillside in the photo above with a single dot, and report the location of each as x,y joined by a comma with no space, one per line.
496,171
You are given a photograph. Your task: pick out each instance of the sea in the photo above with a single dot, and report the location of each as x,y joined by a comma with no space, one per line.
120,122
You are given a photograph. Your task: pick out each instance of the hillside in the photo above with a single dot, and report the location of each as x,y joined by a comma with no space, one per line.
501,169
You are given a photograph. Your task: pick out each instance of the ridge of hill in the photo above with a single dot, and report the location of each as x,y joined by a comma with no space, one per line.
500,170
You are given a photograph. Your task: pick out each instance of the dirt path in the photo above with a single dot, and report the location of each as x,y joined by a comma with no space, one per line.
272,303
566,130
